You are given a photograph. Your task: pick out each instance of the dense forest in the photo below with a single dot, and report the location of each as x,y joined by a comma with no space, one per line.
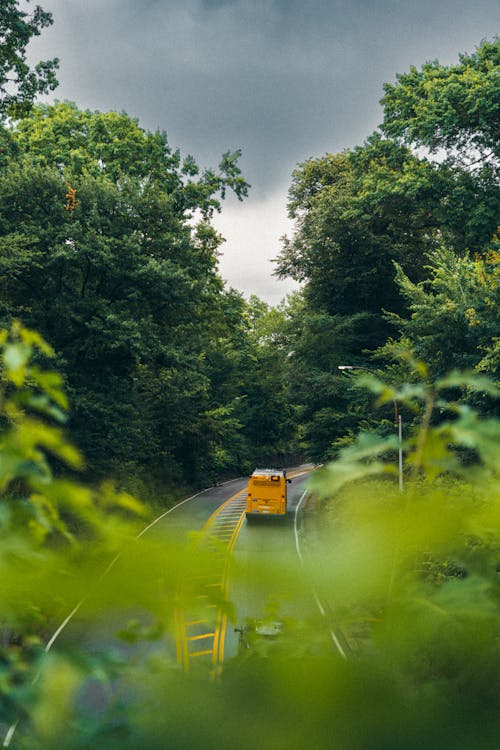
119,336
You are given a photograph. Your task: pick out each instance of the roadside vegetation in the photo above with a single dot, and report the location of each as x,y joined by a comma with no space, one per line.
118,336
397,239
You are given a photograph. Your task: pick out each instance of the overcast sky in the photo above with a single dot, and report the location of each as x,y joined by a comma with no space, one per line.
283,80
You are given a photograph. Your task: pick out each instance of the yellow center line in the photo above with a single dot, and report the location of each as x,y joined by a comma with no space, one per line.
200,637
178,636
220,642
220,527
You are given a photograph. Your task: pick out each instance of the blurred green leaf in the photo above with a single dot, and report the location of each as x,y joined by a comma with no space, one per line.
471,381
15,358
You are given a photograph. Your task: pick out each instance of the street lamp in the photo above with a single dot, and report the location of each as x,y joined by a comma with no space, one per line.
397,421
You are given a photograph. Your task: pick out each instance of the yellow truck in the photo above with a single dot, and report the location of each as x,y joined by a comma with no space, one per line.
267,493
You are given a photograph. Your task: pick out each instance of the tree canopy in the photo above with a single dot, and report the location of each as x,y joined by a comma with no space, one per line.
454,313
111,144
360,212
106,247
450,107
19,83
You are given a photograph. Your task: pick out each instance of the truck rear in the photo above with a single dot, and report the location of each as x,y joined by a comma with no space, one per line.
267,495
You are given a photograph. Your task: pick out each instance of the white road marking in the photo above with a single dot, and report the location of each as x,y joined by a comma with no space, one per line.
320,606
296,526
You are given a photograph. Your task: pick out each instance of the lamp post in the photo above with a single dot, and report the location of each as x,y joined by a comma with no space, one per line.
397,421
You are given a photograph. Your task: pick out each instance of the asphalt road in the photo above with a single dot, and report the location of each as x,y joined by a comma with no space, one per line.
256,568
267,585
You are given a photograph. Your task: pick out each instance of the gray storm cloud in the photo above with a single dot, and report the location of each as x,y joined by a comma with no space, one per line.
281,79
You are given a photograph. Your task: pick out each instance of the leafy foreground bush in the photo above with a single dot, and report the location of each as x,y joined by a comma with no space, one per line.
56,535
410,578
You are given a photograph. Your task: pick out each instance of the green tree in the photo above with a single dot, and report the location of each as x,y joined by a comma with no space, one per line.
355,213
251,418
419,604
326,403
453,314
455,108
269,415
101,239
352,217
359,212
20,84
113,145
167,372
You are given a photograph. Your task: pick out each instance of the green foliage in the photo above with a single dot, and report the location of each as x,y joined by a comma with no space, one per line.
268,412
31,400
247,370
81,142
450,107
175,378
434,450
20,84
54,532
453,319
421,595
410,578
327,405
342,246
360,213
97,228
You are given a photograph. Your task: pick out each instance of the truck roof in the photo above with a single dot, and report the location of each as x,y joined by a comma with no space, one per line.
268,472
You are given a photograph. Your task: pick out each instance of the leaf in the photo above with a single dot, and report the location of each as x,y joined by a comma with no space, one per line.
34,339
470,380
15,358
43,405
52,384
